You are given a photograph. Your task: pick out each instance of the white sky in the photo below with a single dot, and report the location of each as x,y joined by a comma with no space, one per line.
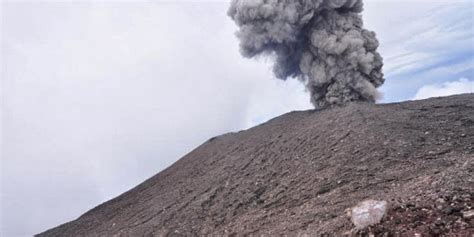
97,97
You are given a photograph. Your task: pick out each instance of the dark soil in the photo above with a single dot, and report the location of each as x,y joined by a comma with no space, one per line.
299,173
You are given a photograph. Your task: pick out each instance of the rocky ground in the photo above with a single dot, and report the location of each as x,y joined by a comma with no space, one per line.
300,173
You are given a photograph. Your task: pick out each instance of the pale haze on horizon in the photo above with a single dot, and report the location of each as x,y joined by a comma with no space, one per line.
99,96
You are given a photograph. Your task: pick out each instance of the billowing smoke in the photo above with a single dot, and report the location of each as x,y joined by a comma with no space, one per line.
321,42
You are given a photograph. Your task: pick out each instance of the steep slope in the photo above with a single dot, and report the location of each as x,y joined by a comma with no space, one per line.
298,174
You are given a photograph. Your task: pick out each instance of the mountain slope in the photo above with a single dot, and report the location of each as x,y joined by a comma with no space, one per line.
298,174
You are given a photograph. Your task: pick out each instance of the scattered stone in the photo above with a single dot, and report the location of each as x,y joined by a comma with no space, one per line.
448,210
323,190
368,213
440,200
468,214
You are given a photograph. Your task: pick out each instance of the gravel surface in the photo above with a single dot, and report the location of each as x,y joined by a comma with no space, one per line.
299,174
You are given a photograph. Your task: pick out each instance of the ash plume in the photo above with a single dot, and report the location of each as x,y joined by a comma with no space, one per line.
321,42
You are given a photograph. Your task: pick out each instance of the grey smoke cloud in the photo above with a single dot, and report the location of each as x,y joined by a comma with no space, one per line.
321,42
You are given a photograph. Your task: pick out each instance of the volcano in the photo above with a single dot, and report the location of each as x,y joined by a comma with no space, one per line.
300,173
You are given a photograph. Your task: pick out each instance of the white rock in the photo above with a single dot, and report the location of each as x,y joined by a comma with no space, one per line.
367,213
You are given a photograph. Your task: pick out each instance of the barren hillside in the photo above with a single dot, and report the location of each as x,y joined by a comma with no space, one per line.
298,173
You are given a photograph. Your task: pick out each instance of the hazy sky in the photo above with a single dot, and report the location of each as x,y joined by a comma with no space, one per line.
97,97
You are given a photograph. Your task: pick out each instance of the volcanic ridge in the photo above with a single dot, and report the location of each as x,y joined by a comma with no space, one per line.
301,172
